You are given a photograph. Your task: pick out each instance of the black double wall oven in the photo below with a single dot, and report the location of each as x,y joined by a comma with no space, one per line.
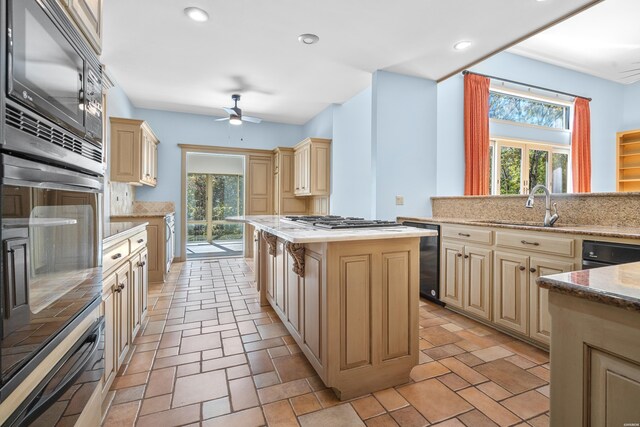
51,224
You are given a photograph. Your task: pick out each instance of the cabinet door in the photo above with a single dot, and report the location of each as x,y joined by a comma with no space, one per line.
295,292
510,291
16,283
451,279
320,156
540,320
306,170
144,282
477,281
123,276
154,163
110,332
134,295
88,16
260,186
296,172
313,320
127,152
279,276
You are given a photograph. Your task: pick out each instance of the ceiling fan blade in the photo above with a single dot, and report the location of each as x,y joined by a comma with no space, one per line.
222,120
631,70
230,110
251,119
631,75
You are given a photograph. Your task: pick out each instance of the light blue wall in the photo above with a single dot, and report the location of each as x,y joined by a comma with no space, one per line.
321,126
351,173
180,128
606,117
404,143
631,118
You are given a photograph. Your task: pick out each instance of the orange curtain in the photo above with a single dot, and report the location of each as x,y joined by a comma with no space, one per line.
476,135
581,146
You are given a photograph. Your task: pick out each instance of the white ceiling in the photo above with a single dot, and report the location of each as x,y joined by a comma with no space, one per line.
164,60
603,41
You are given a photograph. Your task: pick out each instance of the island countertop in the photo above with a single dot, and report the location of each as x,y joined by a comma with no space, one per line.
617,285
300,233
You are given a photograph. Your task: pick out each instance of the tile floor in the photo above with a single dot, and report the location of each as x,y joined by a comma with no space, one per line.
209,355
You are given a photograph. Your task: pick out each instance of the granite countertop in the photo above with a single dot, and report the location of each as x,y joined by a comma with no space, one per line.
113,229
617,285
588,230
143,214
300,233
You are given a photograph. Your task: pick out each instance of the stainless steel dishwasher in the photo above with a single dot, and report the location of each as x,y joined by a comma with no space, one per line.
601,254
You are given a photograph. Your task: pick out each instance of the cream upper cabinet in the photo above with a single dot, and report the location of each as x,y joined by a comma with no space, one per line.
87,15
312,164
285,200
477,281
134,152
539,318
510,292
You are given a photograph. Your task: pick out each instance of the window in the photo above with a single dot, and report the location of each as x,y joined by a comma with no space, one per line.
531,111
516,167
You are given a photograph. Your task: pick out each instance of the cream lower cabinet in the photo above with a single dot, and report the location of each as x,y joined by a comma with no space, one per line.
510,296
124,298
466,277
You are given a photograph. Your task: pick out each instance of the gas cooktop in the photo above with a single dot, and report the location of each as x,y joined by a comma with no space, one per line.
340,222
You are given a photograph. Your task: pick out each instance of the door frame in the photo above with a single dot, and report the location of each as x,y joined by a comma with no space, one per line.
211,149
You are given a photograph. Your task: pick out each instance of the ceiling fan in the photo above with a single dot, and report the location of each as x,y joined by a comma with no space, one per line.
235,113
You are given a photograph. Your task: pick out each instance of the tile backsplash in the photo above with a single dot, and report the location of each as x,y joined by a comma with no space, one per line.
153,207
122,196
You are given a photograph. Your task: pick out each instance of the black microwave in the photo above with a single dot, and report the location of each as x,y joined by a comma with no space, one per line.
53,87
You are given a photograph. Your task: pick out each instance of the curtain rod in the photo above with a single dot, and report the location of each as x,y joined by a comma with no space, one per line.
525,84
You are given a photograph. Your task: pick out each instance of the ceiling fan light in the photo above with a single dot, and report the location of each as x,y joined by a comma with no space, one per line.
197,14
462,45
235,120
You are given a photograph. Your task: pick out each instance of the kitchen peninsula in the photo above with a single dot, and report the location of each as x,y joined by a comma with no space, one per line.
349,297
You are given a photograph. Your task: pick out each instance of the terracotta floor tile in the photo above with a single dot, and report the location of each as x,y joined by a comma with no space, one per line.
278,351
541,421
476,418
434,400
238,372
232,345
176,360
527,405
367,407
469,359
140,362
305,404
437,335
453,422
390,399
125,395
492,353
409,417
200,342
453,381
122,415
170,339
494,391
243,394
216,408
149,346
171,418
451,327
283,391
381,421
155,404
316,383
544,390
327,398
130,380
166,352
428,370
520,361
273,330
471,375
528,351
199,388
540,372
267,379
247,327
260,362
342,415
280,414
488,407
509,376
188,369
293,367
212,354
224,362
160,382
443,351
248,418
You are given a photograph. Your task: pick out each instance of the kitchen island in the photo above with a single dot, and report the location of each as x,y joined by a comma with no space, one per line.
349,298
595,346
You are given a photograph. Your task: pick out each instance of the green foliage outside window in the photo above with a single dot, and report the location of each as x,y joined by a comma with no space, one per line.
530,111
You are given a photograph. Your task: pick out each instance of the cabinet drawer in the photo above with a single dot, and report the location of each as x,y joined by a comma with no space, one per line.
468,234
138,241
536,243
115,255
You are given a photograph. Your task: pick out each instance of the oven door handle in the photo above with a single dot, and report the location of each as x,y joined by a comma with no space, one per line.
86,351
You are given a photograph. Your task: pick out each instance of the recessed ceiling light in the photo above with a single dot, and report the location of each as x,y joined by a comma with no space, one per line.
462,45
197,14
308,38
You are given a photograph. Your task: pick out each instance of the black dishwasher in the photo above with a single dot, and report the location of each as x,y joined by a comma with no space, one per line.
429,262
601,254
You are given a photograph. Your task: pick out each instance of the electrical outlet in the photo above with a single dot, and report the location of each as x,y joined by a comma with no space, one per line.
399,200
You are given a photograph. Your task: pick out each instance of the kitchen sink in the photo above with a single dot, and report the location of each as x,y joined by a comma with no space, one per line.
499,222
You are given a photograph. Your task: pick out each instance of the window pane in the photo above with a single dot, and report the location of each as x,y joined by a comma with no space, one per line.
538,160
491,172
196,197
227,196
510,170
559,168
523,110
196,233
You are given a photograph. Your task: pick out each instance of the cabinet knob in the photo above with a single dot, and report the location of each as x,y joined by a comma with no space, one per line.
522,268
116,256
140,240
121,286
464,234
532,269
466,256
11,251
459,255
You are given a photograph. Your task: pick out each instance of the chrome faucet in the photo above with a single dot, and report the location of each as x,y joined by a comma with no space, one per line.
549,219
